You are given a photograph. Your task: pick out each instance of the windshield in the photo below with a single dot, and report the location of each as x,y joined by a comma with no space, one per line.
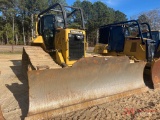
155,35
66,16
74,19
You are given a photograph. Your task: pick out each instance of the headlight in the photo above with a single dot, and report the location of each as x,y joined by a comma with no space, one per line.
79,37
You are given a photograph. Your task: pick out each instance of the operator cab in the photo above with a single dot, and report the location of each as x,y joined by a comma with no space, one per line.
47,27
113,36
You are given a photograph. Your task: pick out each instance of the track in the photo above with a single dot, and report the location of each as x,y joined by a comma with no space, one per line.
37,59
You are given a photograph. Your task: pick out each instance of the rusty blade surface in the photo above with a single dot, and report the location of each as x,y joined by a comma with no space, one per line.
101,60
53,89
155,72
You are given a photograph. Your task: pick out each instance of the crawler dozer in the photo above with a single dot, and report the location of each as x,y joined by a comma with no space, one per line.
62,78
127,39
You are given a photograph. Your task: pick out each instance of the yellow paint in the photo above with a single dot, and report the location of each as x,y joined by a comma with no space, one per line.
100,48
140,52
59,57
61,43
38,39
142,47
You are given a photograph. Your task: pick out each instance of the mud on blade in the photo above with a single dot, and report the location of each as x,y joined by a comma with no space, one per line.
89,79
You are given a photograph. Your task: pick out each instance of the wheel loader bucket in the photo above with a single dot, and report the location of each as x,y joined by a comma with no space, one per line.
57,91
155,73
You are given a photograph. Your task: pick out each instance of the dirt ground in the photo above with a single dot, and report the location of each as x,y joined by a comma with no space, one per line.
13,87
14,99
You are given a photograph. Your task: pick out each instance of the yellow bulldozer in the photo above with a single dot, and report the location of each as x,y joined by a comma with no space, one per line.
62,78
127,39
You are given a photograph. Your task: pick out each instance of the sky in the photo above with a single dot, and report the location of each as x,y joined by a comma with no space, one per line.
129,7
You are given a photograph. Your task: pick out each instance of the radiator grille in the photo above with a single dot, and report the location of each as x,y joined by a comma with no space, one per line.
76,46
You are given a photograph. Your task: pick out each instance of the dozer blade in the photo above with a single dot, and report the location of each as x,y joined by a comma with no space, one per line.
57,91
155,73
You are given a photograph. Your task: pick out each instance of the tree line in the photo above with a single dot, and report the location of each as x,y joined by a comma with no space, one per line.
17,18
152,17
